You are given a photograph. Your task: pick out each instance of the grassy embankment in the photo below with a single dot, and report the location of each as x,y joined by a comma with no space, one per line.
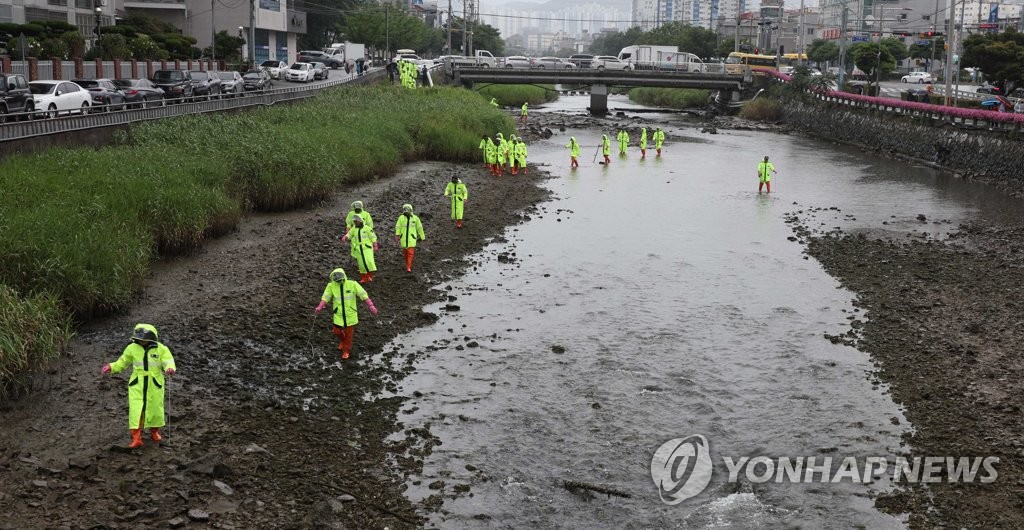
672,98
79,227
516,95
762,109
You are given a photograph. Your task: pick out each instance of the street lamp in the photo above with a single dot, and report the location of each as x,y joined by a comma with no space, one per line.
99,20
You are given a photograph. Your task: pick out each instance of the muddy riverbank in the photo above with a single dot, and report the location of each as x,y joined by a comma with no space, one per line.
942,322
268,429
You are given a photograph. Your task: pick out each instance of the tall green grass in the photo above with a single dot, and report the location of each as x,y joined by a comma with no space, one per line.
79,227
762,109
672,98
516,95
33,332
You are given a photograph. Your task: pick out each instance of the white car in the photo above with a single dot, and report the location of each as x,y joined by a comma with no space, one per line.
59,97
602,62
300,72
553,63
274,68
517,61
918,77
415,59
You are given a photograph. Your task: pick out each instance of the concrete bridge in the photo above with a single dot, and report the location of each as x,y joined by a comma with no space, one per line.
600,80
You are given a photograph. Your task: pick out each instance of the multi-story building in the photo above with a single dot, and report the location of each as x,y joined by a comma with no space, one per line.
276,26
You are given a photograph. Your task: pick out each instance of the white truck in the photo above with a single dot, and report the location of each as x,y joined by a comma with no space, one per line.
649,57
482,59
346,51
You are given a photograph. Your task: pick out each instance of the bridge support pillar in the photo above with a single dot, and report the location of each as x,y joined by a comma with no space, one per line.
599,100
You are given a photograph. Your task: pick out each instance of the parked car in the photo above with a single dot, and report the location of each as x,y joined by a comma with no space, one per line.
140,92
256,80
230,83
553,62
608,62
55,97
315,56
106,96
299,72
415,59
989,89
15,96
581,60
275,68
320,70
917,77
176,84
205,84
517,61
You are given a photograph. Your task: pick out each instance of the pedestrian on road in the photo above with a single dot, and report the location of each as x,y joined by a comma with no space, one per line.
523,115
151,361
764,174
519,155
357,210
408,231
574,152
364,244
659,139
342,293
459,194
643,143
606,148
623,138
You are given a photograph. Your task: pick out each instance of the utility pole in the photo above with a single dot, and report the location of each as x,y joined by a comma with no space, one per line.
959,39
949,53
213,30
387,33
450,27
800,39
472,6
252,32
736,46
935,22
842,47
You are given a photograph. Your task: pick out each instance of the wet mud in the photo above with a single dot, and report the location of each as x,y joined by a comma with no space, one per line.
942,322
268,428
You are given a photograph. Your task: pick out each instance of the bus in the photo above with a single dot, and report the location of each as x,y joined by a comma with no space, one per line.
736,61
791,60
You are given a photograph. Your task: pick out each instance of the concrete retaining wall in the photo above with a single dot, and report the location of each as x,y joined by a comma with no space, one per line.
994,157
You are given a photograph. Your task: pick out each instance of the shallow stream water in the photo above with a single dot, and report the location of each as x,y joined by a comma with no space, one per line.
683,308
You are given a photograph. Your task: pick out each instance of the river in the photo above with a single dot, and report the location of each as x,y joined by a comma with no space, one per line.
683,308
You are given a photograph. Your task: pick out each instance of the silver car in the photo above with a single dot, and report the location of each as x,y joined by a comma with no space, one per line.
517,61
553,62
274,68
231,83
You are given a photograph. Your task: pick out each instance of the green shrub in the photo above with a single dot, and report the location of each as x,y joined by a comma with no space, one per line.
516,95
33,331
673,98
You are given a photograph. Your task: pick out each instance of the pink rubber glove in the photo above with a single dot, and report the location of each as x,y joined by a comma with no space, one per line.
105,369
372,308
321,307
344,237
170,371
375,247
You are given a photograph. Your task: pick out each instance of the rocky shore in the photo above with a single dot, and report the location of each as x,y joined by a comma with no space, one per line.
268,428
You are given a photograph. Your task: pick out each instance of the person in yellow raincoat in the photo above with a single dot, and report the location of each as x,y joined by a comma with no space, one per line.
458,193
364,244
494,103
523,115
623,138
408,232
483,149
357,209
491,152
151,361
341,293
519,156
574,152
502,153
659,139
643,142
606,148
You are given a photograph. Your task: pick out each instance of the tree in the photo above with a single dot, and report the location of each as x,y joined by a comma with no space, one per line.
823,51
227,45
75,43
872,57
896,48
325,22
613,43
1000,56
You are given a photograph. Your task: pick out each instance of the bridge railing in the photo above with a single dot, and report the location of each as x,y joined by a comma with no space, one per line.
29,126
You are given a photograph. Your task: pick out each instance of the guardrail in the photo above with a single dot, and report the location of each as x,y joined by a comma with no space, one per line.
31,127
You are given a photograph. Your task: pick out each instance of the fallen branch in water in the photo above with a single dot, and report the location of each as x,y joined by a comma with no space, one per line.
572,485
